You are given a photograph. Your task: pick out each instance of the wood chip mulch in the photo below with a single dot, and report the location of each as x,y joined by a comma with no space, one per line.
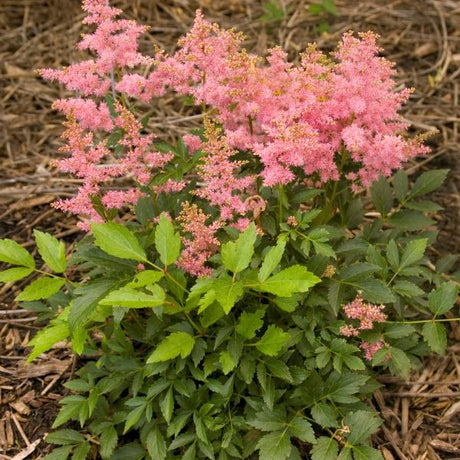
422,416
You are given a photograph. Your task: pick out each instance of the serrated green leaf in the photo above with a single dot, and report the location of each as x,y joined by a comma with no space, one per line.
435,336
81,451
410,220
272,341
398,331
325,449
51,250
43,288
108,440
279,369
156,444
324,249
167,405
118,241
145,278
400,185
249,323
288,281
131,298
413,252
65,437
14,274
274,446
443,298
428,182
324,414
271,261
227,362
301,428
177,343
167,241
13,253
399,362
86,300
407,289
227,291
61,453
236,255
357,271
362,424
392,253
353,362
381,196
269,420
424,206
71,406
375,291
366,453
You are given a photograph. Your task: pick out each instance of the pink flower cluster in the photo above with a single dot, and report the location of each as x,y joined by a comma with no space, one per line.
366,313
202,244
294,118
289,123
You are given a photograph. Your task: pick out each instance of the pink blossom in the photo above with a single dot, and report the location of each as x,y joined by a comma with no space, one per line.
371,348
366,313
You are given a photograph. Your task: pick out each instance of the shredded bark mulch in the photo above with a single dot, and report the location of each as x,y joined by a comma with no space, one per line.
422,416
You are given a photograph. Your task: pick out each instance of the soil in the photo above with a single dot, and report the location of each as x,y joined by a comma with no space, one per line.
422,416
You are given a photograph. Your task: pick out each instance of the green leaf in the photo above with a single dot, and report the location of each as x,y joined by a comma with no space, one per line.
156,444
272,341
399,362
279,369
393,255
413,252
237,255
145,278
15,274
400,184
366,453
410,220
42,288
227,362
249,323
71,405
274,446
324,249
353,362
65,437
13,253
51,251
362,424
167,405
118,241
435,336
375,291
61,453
108,440
325,449
356,271
324,414
227,292
81,451
428,182
407,289
130,298
443,298
301,428
167,241
329,6
398,331
271,261
82,306
269,420
134,416
381,196
177,343
288,281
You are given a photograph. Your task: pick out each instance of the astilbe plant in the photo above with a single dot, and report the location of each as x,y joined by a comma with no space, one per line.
222,304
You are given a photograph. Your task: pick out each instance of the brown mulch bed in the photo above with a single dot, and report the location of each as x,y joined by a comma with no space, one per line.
422,417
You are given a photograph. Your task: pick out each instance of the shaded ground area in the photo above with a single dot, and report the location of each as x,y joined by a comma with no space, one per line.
422,417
